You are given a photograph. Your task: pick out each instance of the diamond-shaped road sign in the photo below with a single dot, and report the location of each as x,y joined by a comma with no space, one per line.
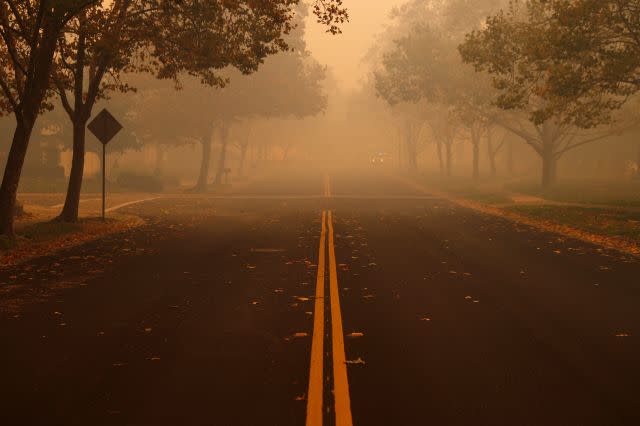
104,126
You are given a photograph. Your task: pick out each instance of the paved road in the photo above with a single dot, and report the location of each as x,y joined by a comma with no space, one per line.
210,315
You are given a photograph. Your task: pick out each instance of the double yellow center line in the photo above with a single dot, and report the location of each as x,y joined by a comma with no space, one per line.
342,401
314,395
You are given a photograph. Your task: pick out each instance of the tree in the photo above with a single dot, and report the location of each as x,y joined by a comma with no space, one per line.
97,42
30,30
512,49
593,51
596,52
157,116
287,84
242,139
423,64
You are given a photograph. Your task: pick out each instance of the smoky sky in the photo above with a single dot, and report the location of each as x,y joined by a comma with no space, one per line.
343,53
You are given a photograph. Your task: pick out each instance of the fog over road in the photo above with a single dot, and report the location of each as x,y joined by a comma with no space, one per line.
205,316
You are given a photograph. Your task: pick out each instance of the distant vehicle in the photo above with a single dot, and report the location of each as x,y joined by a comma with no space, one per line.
380,159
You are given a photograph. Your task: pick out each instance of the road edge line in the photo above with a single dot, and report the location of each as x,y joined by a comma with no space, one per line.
130,203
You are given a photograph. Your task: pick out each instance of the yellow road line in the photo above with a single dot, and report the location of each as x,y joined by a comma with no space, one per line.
314,394
340,381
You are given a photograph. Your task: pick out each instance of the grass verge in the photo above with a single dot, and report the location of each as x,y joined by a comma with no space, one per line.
42,238
605,222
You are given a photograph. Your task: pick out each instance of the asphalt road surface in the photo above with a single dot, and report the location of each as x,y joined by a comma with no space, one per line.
322,300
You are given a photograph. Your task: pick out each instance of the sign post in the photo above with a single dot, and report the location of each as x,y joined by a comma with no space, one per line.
104,127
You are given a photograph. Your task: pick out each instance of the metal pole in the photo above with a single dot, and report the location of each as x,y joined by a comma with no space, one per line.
104,149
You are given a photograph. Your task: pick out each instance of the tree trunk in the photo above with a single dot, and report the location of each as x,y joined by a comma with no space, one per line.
201,185
449,158
638,161
476,161
260,157
475,141
159,160
72,201
412,155
492,154
510,168
222,159
549,165
33,93
440,159
243,156
11,178
475,144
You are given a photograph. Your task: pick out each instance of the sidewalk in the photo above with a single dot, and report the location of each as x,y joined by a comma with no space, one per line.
530,200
